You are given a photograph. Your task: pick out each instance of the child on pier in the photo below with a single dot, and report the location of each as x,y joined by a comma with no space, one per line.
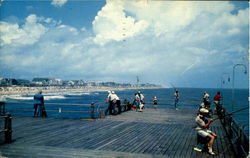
155,102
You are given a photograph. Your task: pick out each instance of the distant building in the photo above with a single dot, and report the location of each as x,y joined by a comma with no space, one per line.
47,81
8,81
23,82
58,82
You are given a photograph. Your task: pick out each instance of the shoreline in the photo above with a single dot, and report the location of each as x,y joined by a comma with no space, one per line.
55,89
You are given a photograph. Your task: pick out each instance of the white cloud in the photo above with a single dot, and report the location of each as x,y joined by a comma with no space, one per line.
29,33
111,23
158,40
114,22
58,3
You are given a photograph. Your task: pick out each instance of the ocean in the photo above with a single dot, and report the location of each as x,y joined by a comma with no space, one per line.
75,105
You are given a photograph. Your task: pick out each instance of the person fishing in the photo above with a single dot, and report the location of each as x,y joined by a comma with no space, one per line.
38,101
115,101
217,99
39,104
203,129
177,96
206,98
203,125
141,104
141,97
108,100
137,101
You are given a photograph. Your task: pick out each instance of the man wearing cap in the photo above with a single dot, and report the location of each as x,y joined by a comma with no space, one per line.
203,129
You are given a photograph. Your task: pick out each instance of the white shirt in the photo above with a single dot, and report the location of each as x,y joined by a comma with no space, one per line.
142,96
199,121
114,96
109,97
137,97
177,95
206,96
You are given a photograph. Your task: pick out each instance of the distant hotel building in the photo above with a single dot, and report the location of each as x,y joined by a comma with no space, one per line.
43,81
47,82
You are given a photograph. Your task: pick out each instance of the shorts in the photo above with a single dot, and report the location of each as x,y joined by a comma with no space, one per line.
205,132
216,102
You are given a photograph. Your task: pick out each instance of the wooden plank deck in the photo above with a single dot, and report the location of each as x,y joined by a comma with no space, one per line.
152,133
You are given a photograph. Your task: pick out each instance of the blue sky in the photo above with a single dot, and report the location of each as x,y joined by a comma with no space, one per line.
188,44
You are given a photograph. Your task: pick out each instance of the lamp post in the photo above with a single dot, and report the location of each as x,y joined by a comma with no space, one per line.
237,65
222,81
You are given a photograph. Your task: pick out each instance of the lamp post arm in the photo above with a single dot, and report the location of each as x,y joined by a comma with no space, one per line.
233,81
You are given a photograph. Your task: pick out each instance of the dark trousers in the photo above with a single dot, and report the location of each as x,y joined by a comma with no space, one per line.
118,102
176,102
36,111
110,107
43,111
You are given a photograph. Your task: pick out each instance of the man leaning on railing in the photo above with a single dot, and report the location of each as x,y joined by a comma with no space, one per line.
39,105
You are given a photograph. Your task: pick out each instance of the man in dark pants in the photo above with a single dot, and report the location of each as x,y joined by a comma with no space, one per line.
109,101
38,102
177,96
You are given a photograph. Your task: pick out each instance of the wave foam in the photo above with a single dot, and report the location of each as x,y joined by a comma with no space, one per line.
19,97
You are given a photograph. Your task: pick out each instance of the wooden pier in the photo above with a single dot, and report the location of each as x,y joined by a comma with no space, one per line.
151,133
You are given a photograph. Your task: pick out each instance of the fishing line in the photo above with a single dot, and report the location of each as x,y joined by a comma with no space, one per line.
233,112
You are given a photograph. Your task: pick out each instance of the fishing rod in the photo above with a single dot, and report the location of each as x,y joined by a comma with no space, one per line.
172,85
227,114
233,112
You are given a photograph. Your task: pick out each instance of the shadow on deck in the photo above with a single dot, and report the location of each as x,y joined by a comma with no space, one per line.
152,133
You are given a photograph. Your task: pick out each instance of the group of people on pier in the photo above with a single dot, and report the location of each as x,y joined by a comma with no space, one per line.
139,101
114,103
205,137
137,104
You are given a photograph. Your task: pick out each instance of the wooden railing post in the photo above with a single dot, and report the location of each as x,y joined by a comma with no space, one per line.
8,129
2,108
92,110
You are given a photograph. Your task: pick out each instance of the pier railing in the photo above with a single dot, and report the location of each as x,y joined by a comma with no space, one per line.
2,108
85,111
92,110
236,135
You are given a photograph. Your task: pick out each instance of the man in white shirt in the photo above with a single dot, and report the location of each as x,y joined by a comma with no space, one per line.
203,129
115,102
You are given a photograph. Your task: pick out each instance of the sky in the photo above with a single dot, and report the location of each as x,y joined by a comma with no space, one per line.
171,43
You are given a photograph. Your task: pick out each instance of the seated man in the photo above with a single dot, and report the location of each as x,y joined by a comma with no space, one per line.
203,129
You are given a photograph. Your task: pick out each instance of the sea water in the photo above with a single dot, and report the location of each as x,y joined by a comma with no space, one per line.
77,104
